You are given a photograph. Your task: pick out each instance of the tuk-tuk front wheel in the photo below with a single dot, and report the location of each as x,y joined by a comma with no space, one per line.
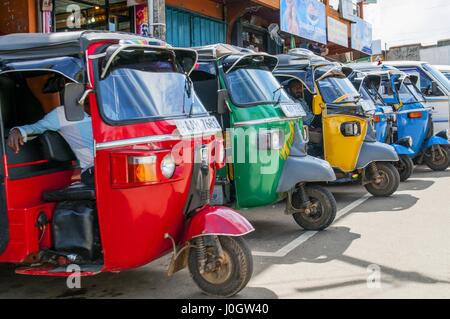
321,209
437,158
405,167
229,274
386,181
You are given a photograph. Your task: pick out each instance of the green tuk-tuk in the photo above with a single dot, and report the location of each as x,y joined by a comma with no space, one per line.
265,137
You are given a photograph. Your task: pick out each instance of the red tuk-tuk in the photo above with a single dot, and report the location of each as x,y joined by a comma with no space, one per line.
155,154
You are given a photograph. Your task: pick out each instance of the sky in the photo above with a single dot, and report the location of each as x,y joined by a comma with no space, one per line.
399,22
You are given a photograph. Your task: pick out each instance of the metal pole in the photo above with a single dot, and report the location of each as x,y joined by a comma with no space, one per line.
157,18
150,5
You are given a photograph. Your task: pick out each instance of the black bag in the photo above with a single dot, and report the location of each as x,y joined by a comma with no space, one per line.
75,229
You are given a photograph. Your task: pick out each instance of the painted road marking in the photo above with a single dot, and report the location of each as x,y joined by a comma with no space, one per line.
283,251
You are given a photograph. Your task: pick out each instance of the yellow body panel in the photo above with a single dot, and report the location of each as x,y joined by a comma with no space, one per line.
342,151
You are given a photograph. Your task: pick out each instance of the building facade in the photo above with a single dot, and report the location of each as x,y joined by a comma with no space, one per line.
255,24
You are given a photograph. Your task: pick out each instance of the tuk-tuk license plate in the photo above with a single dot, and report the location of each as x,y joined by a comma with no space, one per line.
197,126
292,110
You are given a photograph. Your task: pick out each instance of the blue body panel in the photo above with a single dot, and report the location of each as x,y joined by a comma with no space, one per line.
435,140
403,150
415,127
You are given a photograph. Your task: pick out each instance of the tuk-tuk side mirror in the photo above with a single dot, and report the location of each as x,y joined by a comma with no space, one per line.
317,106
73,93
222,97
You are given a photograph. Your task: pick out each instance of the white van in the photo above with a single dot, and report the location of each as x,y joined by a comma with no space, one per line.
445,69
434,86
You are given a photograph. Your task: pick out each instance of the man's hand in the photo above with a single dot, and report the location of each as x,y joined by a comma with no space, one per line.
15,140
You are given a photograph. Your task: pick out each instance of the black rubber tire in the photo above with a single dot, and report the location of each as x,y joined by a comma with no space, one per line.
389,171
443,164
242,260
328,209
405,167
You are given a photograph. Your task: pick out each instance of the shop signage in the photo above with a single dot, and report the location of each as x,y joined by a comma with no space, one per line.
362,36
337,32
346,8
304,18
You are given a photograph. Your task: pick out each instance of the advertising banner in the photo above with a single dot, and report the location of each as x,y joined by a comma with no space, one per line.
141,20
304,18
362,36
337,32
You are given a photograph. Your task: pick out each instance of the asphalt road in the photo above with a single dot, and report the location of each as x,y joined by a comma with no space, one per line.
395,247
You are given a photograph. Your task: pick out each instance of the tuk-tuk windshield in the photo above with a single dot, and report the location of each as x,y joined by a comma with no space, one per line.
408,93
248,86
146,84
337,90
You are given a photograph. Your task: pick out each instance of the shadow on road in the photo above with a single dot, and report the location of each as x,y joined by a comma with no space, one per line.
395,203
415,185
423,171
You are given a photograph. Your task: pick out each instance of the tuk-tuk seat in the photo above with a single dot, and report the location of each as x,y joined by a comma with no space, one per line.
75,192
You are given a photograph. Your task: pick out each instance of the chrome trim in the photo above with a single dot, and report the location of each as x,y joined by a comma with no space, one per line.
269,120
149,139
137,140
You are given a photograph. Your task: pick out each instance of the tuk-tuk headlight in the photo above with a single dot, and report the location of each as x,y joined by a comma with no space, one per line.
406,141
270,140
351,129
168,166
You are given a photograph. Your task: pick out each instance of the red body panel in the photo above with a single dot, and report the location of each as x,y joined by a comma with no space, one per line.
24,202
217,220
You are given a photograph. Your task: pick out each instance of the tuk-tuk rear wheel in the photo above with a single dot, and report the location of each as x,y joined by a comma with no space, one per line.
324,210
387,182
233,273
440,160
405,167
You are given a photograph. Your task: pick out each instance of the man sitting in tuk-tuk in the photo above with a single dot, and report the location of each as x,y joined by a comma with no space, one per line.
296,91
77,134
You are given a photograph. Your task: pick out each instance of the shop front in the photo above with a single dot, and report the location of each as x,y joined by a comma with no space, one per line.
187,23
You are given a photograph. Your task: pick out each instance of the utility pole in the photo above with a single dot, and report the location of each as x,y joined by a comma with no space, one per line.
157,18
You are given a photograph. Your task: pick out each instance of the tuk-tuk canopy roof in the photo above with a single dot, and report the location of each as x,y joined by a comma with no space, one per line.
300,59
217,51
31,46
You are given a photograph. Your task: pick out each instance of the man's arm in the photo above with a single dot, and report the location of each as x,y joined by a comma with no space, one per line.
18,135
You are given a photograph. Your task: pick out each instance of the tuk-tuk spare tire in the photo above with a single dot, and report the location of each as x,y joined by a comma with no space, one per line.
390,173
241,260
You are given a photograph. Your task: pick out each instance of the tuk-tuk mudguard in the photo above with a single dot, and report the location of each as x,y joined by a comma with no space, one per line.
216,220
299,169
436,140
403,150
376,152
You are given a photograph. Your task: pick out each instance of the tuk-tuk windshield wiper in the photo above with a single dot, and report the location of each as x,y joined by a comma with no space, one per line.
254,86
337,90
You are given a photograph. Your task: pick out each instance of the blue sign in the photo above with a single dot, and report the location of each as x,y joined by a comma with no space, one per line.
305,19
362,36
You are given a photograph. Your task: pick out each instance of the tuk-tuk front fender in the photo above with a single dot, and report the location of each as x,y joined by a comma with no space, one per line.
376,152
436,140
216,220
403,150
299,169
